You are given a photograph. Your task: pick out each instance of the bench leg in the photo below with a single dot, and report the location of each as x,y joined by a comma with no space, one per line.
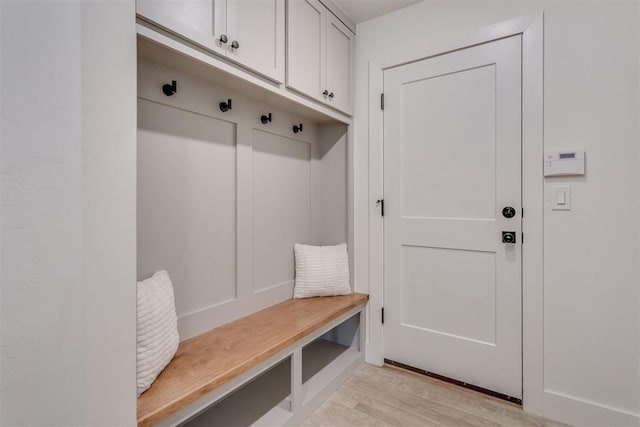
296,382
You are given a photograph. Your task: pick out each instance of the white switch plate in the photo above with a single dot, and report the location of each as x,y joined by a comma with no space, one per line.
561,197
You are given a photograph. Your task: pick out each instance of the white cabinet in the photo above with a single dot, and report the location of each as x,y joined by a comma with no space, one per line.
319,50
258,27
250,32
339,50
306,41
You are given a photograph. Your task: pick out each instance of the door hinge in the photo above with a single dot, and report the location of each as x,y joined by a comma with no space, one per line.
522,212
522,239
382,315
381,203
382,101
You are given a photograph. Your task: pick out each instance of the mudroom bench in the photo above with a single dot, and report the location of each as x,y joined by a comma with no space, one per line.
272,367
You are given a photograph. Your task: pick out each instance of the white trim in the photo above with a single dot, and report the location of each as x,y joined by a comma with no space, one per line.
532,222
339,13
580,412
375,347
531,28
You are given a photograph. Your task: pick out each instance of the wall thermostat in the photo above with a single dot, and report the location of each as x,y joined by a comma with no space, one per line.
564,163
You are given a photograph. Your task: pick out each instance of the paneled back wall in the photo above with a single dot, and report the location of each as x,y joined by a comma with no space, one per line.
222,197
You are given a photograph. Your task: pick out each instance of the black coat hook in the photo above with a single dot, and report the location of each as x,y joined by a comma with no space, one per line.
225,106
170,89
297,128
265,118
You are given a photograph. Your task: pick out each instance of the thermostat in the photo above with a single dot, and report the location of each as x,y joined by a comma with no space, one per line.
564,163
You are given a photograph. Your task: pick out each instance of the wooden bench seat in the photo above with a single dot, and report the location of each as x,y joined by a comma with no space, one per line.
208,361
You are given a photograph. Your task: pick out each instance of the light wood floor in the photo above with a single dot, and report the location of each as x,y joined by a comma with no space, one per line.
391,396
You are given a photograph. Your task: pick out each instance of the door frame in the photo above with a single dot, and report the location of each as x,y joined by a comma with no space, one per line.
531,28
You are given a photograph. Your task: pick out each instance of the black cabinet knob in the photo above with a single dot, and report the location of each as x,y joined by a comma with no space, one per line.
325,93
223,38
331,95
235,44
265,118
297,128
508,212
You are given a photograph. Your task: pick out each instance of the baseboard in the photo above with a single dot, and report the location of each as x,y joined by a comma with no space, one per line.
579,412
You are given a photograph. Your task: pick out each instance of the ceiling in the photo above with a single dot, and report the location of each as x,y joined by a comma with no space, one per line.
363,10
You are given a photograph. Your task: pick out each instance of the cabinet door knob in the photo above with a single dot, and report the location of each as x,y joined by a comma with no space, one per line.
325,93
331,95
235,44
223,38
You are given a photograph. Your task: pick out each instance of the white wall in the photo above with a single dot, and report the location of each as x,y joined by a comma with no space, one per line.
591,277
67,218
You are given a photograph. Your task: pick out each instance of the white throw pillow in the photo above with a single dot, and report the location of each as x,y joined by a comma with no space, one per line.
321,271
157,328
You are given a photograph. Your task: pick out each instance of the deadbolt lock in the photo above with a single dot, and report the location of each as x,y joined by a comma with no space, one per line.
508,237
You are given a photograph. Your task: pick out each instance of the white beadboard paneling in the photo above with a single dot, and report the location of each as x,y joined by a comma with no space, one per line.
281,206
187,204
329,175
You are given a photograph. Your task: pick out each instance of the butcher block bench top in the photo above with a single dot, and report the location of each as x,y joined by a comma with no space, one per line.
209,360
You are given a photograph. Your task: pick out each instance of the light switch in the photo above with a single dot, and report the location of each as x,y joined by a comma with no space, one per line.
561,197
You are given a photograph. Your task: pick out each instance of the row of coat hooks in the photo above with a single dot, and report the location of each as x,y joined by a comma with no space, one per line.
170,89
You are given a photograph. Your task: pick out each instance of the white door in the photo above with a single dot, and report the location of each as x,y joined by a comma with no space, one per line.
306,27
452,163
256,35
339,49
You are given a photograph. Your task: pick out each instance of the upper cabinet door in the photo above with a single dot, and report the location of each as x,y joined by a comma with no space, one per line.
201,21
256,35
339,52
306,50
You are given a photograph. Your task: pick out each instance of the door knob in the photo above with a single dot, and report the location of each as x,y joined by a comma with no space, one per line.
223,38
508,237
235,44
508,212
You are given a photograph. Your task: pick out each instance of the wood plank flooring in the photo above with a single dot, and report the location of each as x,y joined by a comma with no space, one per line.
391,396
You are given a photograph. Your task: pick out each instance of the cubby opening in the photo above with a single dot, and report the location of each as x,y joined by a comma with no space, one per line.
265,400
325,357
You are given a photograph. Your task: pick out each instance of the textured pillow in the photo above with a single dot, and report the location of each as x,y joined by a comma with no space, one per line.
157,328
321,271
